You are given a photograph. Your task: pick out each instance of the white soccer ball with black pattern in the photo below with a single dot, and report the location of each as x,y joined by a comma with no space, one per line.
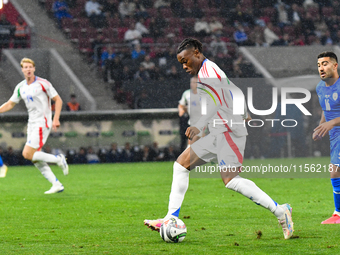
173,230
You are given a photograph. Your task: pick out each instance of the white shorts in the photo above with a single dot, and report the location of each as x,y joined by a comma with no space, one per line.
227,148
37,135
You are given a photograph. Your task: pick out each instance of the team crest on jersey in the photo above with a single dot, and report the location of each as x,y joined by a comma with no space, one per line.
335,96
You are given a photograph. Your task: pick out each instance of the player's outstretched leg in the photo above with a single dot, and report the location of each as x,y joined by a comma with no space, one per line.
63,164
180,184
335,219
49,175
249,189
50,158
3,171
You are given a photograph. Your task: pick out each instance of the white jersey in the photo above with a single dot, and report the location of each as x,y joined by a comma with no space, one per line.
37,97
215,88
192,101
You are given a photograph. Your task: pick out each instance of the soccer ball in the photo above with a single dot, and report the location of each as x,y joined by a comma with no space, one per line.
173,230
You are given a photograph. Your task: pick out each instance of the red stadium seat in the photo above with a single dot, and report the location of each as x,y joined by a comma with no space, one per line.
121,32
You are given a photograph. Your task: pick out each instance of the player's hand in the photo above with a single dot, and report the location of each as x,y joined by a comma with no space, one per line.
191,132
55,125
316,136
323,128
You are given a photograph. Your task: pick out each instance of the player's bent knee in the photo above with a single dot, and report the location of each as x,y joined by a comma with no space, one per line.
27,155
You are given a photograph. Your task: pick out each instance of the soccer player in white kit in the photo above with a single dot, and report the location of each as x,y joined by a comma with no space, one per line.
37,94
190,103
225,142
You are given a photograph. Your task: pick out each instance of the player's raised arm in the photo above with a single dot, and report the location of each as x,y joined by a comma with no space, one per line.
58,106
7,106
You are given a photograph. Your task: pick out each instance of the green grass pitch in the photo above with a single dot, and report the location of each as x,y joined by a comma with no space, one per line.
103,207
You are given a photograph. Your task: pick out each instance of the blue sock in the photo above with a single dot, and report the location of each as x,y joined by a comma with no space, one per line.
336,193
1,163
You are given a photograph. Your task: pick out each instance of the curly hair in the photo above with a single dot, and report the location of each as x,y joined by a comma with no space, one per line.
190,43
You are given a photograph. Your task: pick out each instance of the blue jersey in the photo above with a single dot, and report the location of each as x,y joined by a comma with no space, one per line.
329,99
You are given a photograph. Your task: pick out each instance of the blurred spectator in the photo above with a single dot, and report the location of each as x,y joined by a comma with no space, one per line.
107,60
150,67
256,36
91,156
170,154
117,69
110,8
282,15
113,155
70,154
97,47
80,157
307,24
142,75
147,156
269,35
156,153
125,9
202,28
21,33
139,10
127,74
6,31
218,48
172,73
161,4
309,3
326,39
215,26
127,153
320,26
94,12
141,101
141,27
137,53
132,35
294,15
240,16
10,157
240,37
283,41
332,23
154,28
177,8
60,10
73,105
102,155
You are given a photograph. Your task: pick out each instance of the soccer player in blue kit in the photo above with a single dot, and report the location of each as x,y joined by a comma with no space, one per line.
328,91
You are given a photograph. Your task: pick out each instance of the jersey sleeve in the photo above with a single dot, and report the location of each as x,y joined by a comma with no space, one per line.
16,97
211,81
50,90
183,100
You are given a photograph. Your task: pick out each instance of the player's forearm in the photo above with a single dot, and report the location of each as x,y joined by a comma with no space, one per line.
323,119
58,106
7,106
181,110
335,122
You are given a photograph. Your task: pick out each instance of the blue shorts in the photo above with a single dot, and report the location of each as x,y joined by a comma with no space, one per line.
335,151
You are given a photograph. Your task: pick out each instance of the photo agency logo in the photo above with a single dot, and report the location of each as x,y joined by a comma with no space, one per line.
239,107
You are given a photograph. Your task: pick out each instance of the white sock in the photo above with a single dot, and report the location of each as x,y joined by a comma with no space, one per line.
46,172
249,189
46,157
180,184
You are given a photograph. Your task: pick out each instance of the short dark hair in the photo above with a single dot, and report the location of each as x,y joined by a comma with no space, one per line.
190,43
329,54
73,95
